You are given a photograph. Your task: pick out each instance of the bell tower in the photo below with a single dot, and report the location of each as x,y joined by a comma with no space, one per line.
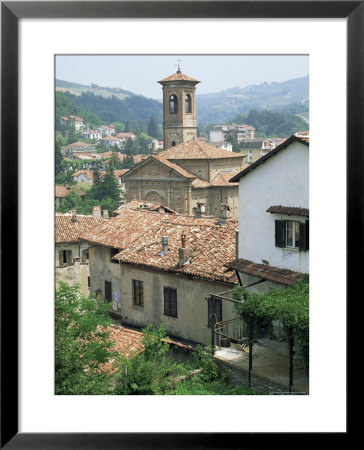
179,109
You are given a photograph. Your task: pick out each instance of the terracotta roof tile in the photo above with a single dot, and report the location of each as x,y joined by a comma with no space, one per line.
122,230
289,211
63,191
137,205
195,149
178,76
88,174
270,273
209,244
126,343
68,231
222,178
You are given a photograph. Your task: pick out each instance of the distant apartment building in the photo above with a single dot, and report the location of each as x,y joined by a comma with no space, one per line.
242,132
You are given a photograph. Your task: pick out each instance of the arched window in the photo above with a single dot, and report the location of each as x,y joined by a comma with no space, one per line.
188,104
173,104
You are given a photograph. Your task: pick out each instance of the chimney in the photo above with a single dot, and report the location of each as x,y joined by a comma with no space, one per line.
201,210
74,215
96,211
105,214
164,243
224,208
183,252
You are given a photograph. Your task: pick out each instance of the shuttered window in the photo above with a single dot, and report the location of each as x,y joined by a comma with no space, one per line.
108,292
170,302
217,312
138,298
292,234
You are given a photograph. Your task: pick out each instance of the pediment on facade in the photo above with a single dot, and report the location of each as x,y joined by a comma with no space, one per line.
155,167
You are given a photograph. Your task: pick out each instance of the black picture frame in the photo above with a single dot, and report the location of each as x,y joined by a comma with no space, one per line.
11,12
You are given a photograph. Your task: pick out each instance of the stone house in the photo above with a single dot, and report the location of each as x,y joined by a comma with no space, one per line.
274,217
72,254
159,267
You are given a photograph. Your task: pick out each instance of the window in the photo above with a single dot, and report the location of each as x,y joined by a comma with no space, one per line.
188,104
85,255
292,234
173,104
65,257
170,302
108,292
138,299
217,312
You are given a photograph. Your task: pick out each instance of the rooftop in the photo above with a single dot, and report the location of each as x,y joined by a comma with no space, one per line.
68,230
208,247
63,191
269,273
178,76
195,149
305,141
289,210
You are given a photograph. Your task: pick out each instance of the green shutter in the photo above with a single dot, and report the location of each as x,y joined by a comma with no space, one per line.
279,230
304,236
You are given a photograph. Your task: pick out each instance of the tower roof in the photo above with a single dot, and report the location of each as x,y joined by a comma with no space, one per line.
178,76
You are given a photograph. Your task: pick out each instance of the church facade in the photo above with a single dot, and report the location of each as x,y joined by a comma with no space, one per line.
189,176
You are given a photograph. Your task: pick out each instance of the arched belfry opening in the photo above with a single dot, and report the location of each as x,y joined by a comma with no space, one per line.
188,104
173,105
179,109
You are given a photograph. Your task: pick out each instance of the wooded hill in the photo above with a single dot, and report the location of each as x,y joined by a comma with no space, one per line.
274,109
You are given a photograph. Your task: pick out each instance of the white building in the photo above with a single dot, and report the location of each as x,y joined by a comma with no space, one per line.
274,215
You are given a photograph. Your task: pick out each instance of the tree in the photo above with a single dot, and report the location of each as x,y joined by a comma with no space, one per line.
58,159
153,127
81,343
128,162
130,147
233,142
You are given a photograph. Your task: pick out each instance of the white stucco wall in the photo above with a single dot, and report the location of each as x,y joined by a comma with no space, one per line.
281,180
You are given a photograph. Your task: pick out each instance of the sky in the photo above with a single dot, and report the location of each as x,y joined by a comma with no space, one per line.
140,73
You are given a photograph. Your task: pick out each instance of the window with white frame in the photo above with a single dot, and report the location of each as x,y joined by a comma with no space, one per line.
292,234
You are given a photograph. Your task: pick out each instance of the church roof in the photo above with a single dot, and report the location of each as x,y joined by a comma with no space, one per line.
178,77
195,149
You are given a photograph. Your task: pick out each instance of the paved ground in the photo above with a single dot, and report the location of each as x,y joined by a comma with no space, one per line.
270,360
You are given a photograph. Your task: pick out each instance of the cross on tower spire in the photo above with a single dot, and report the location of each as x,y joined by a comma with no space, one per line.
178,66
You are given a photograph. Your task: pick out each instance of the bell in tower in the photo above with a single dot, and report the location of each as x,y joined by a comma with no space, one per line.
179,109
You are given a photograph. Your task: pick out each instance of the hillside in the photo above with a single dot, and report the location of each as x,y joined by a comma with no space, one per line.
221,106
135,110
78,89
285,106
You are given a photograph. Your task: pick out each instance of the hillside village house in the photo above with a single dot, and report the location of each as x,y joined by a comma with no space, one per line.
76,121
61,192
274,217
72,255
92,134
110,141
190,175
77,147
107,130
125,136
158,268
